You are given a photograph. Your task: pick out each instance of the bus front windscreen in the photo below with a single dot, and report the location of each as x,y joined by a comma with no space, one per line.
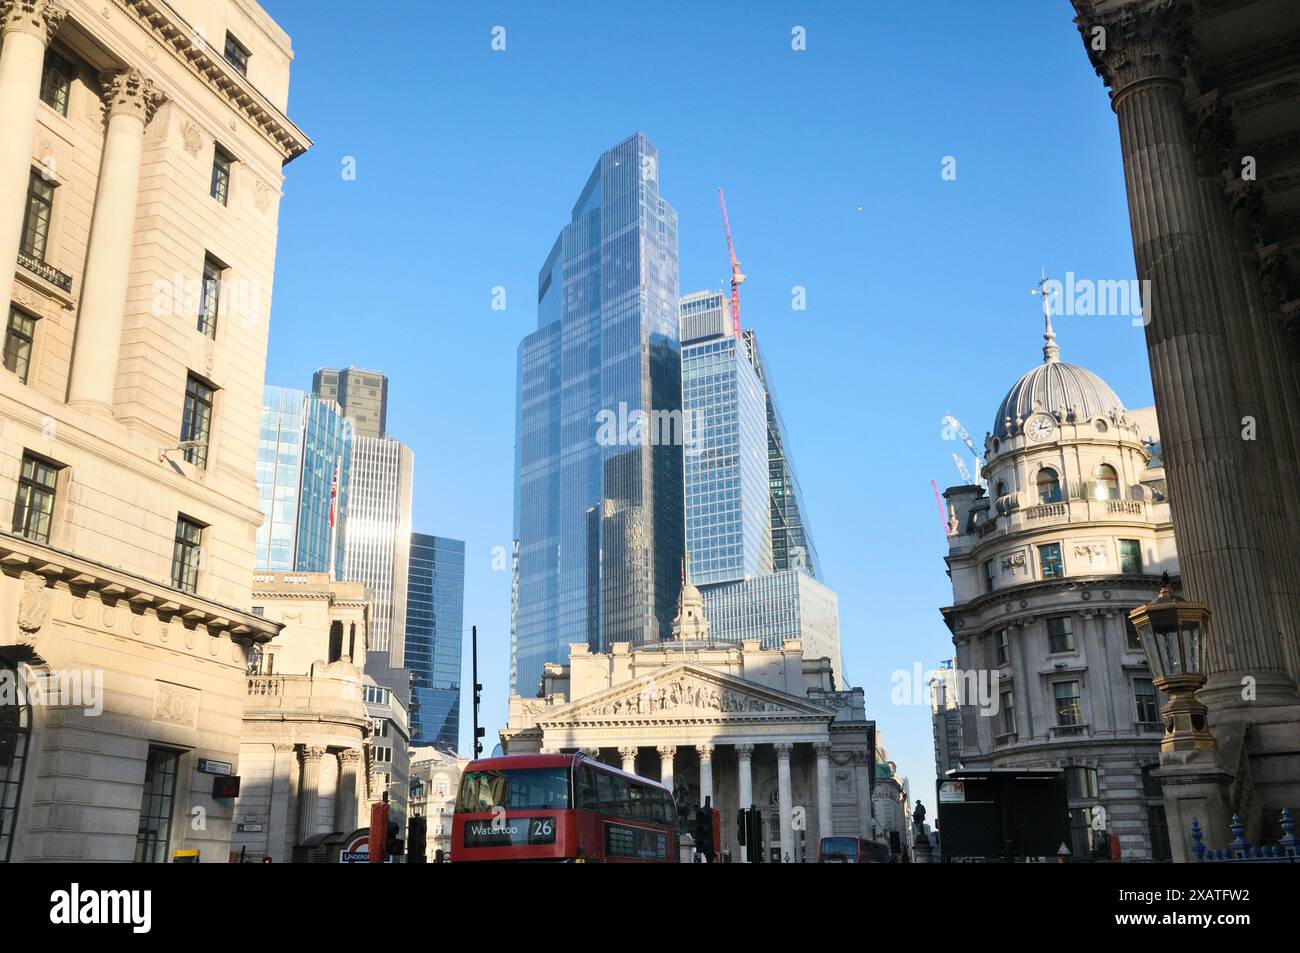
518,789
841,850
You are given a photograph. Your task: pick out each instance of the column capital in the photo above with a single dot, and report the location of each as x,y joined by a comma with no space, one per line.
283,747
1147,40
349,756
39,18
783,749
628,751
667,751
129,92
312,753
745,751
590,752
823,748
1212,135
706,752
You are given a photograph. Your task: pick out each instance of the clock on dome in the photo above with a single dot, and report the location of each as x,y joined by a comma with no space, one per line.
1040,427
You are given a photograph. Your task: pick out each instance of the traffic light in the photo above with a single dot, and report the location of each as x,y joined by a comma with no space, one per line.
742,822
704,832
394,845
755,838
416,839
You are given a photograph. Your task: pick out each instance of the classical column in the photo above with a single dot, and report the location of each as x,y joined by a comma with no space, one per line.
277,827
666,753
1139,50
784,799
346,805
628,754
27,28
824,824
309,793
745,786
131,100
706,772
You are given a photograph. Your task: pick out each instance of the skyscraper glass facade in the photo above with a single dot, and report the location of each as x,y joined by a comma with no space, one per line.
304,447
728,513
598,522
435,611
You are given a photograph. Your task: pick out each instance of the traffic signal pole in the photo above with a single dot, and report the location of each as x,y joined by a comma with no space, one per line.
478,689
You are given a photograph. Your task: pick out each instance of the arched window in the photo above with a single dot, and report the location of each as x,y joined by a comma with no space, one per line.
1049,486
1107,482
15,730
1001,489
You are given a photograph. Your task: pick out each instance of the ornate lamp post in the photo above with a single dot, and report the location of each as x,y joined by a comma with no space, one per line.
1193,779
1173,633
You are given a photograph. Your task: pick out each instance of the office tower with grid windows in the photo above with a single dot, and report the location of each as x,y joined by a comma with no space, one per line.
362,394
435,612
598,510
304,457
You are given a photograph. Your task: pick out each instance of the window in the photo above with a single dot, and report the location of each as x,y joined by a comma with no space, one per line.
336,641
1081,783
19,336
1144,692
15,728
1060,634
1069,709
1131,640
221,163
1130,557
1049,561
1049,486
990,575
1004,646
383,755
156,806
237,55
1107,482
36,220
1001,490
34,507
186,554
56,82
196,421
210,297
1008,712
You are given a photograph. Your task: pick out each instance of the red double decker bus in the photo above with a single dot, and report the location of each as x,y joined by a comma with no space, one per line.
561,807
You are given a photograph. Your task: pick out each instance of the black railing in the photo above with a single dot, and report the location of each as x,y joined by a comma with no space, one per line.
1285,851
41,270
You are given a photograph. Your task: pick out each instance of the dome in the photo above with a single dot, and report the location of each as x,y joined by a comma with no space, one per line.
1059,389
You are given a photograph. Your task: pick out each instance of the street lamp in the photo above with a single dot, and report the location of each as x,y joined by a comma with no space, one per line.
1174,633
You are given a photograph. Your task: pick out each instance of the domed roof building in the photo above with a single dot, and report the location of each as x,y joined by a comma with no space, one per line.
1072,532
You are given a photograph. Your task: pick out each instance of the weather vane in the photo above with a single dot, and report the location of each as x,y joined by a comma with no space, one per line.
1050,351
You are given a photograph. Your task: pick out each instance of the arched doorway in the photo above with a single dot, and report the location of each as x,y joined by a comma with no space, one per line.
15,735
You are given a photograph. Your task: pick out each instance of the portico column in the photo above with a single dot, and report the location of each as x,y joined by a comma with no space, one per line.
706,772
628,754
346,805
309,793
131,100
1219,539
27,29
277,828
666,753
784,799
823,749
745,758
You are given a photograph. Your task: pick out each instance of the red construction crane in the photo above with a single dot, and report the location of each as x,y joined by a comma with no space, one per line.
736,277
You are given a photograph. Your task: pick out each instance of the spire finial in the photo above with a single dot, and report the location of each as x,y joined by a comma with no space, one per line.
1051,353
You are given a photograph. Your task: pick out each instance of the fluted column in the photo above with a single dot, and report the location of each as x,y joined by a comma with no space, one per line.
666,755
824,823
628,754
745,786
706,772
309,793
131,100
27,28
785,799
1219,550
347,803
278,847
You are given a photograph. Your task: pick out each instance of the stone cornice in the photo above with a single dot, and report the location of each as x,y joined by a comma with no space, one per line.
19,555
1017,597
177,37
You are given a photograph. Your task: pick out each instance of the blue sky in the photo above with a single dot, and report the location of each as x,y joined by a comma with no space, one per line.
469,160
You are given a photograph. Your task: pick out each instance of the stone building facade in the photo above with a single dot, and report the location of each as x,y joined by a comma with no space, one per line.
435,780
741,724
1206,94
140,175
302,755
1074,532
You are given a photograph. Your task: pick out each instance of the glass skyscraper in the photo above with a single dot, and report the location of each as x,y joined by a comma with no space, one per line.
362,394
304,447
598,522
435,611
728,511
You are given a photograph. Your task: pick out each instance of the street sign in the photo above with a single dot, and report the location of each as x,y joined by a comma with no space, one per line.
356,851
952,792
215,767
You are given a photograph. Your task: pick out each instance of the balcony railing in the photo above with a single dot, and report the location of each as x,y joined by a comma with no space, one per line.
1069,731
1007,739
268,686
1124,506
1150,727
48,272
1044,510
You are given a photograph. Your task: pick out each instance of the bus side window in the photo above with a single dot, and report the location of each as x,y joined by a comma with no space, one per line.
587,795
667,813
622,798
605,792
